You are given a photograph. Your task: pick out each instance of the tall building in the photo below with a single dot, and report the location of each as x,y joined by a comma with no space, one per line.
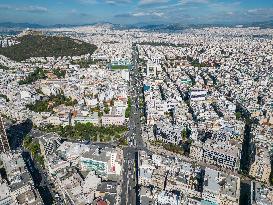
4,143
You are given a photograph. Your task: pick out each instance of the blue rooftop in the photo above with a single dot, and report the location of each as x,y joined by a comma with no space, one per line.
205,202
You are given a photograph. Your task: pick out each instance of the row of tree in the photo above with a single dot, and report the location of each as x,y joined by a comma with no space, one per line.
128,109
84,63
88,131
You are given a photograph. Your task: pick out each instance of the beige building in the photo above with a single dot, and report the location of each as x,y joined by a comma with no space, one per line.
261,167
112,120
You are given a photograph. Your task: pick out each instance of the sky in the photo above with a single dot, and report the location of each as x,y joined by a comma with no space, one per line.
49,12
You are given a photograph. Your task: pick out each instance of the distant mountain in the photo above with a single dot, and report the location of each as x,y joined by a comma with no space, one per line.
172,27
146,26
10,25
21,26
180,27
264,24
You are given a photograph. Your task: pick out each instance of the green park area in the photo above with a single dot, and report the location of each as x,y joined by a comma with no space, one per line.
46,46
33,147
88,131
40,73
119,67
52,101
37,74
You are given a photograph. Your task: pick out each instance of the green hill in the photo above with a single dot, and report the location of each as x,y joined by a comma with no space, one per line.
46,46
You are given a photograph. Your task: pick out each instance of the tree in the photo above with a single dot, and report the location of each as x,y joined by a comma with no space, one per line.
184,134
108,138
238,115
4,67
4,96
112,102
37,74
49,104
34,148
123,141
106,109
40,160
128,109
88,131
127,112
27,141
59,73
84,63
94,138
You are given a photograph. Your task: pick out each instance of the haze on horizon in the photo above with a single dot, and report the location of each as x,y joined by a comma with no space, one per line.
135,11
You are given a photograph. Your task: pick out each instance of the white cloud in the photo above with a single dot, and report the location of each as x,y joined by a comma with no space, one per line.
149,2
230,13
153,13
139,14
260,12
118,1
32,9
4,6
159,14
194,1
114,2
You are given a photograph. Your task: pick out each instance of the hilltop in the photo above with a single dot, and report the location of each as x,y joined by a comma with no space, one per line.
46,46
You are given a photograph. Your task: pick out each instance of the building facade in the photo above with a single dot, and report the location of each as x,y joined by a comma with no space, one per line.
4,143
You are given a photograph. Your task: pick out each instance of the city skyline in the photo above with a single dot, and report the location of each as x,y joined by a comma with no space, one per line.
135,11
113,114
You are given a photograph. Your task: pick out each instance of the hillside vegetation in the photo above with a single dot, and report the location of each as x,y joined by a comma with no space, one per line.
46,46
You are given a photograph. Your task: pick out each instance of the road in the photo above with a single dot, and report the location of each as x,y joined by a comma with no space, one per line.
129,181
130,192
136,92
130,187
16,133
39,179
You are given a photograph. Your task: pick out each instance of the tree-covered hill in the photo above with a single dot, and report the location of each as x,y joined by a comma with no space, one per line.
46,46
